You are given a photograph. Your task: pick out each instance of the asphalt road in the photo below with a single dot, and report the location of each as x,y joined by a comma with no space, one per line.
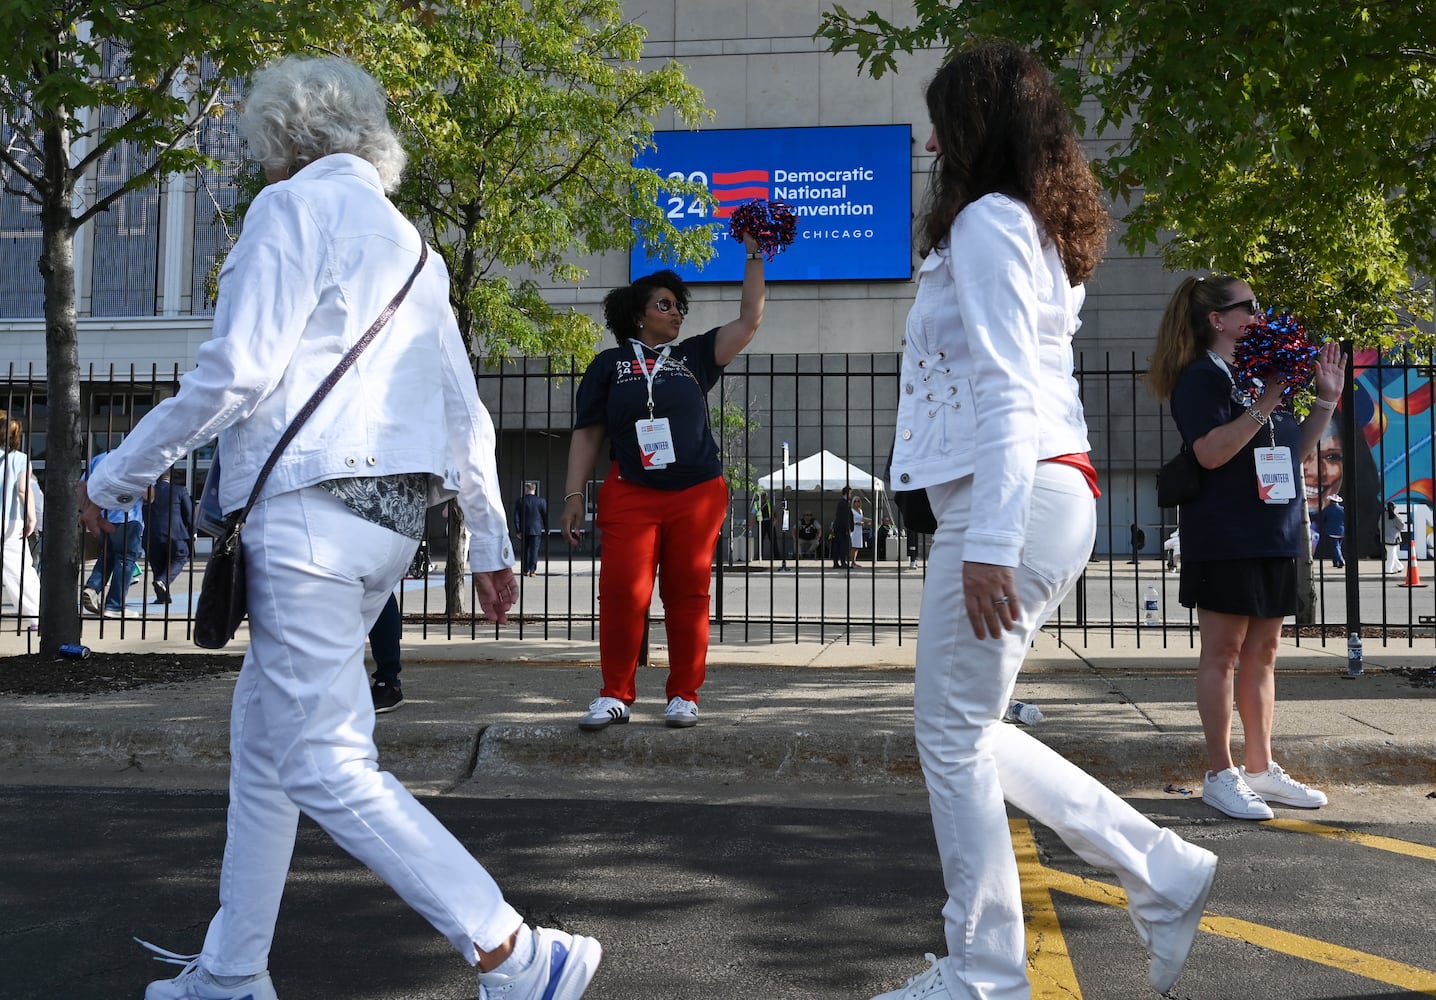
700,901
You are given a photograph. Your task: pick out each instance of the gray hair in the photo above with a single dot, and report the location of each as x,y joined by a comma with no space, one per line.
300,108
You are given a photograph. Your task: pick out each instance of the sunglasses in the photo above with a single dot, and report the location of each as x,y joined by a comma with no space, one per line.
1250,305
668,305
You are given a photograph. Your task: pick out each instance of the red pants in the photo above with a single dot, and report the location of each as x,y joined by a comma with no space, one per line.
671,533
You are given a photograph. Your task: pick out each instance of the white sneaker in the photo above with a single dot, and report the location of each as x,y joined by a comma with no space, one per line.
194,983
562,968
1170,941
90,600
1227,792
1275,785
602,713
923,986
680,714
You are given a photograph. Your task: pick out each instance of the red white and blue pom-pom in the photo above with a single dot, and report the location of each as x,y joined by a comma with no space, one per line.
772,224
1274,348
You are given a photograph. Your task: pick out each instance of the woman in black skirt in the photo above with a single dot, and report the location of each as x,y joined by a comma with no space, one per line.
1242,534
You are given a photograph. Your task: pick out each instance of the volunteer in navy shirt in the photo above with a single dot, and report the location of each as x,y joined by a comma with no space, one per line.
1241,535
663,498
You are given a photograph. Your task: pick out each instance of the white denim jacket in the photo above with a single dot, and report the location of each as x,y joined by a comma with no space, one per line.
986,388
321,255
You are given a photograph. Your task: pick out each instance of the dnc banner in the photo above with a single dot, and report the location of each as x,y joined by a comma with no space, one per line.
851,188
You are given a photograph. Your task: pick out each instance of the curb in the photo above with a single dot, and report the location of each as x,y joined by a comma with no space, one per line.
445,753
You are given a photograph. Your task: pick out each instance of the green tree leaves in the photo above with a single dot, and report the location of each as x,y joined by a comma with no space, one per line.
522,120
1285,141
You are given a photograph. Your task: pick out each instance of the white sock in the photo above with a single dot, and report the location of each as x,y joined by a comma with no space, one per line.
525,950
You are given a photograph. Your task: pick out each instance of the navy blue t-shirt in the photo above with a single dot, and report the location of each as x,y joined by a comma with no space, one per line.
614,393
1228,520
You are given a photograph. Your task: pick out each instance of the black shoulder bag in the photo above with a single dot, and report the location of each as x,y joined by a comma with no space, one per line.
223,602
1180,480
912,505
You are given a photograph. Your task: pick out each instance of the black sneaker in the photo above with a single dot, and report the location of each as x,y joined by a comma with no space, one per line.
387,697
162,591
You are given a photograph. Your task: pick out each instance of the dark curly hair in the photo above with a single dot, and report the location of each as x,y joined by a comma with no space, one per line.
1003,128
623,307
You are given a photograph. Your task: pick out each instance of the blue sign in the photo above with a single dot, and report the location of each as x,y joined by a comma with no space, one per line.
851,188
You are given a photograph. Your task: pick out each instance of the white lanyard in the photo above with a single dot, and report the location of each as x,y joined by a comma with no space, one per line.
649,374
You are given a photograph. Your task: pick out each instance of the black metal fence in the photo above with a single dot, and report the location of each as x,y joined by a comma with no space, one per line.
770,412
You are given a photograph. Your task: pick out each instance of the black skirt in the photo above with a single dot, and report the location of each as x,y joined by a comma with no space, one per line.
1258,588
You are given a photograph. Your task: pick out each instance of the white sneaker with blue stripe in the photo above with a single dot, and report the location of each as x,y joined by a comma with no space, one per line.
562,968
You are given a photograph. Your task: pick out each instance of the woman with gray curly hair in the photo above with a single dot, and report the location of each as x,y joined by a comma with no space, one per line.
336,524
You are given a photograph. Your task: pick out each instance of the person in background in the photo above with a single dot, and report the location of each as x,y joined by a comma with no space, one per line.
1240,545
857,537
531,513
990,423
663,500
809,534
885,531
37,537
322,255
121,546
384,638
168,534
843,529
18,521
1173,548
1393,531
1333,529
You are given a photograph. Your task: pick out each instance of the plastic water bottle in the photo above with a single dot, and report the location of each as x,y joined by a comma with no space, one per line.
1021,712
1354,666
1151,608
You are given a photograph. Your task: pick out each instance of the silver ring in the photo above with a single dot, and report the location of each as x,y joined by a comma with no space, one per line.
999,600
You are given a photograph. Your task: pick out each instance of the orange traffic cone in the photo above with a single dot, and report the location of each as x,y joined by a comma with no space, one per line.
1413,567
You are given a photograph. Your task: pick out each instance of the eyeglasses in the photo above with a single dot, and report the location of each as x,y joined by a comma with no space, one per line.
1250,305
668,305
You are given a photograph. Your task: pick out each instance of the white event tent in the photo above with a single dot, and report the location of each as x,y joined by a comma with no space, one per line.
823,471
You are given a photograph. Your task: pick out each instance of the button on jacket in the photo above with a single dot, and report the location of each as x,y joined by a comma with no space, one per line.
321,255
987,388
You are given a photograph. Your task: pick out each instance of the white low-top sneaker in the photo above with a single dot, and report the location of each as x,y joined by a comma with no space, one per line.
926,985
1170,941
1227,792
562,968
680,714
602,713
1275,785
195,983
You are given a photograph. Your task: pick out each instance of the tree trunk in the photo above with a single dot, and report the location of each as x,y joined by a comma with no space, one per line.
456,567
65,450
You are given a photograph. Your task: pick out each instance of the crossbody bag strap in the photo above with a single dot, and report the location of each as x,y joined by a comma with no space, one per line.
345,363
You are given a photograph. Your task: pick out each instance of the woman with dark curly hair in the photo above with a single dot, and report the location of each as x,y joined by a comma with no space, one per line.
990,424
662,503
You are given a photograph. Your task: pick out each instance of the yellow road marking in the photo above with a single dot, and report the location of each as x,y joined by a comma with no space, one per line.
1049,964
1351,836
1052,973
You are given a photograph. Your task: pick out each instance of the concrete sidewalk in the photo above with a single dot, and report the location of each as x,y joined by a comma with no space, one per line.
812,713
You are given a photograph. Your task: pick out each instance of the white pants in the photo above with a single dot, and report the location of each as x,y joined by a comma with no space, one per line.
1393,557
302,739
21,582
973,761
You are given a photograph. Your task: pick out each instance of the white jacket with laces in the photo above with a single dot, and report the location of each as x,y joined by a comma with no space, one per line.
321,255
986,385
